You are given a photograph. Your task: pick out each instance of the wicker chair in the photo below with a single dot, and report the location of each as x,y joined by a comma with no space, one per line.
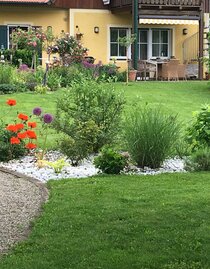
182,74
170,71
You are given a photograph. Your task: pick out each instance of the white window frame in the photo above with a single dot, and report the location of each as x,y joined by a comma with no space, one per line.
149,41
128,28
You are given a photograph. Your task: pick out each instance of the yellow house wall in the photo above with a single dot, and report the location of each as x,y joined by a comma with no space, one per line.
36,16
98,44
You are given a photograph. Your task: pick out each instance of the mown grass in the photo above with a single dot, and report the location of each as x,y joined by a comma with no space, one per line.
121,222
180,98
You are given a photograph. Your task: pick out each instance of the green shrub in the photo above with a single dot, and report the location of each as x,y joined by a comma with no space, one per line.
87,101
53,80
7,74
80,141
9,151
110,161
66,74
23,54
7,88
41,89
198,134
199,160
150,135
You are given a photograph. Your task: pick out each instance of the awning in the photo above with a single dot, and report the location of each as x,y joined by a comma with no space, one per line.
168,21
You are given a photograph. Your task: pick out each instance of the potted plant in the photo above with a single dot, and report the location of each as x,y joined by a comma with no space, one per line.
126,42
132,74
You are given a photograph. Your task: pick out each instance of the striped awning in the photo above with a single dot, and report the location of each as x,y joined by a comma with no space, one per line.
168,21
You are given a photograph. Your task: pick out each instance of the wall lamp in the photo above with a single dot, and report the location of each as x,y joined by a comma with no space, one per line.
185,31
96,29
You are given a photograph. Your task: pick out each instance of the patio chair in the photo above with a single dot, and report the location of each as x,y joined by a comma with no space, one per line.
146,69
182,74
169,71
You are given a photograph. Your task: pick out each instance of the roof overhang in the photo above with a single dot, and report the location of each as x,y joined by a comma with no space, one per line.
27,2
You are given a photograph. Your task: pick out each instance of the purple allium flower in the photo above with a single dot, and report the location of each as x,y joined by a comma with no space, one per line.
37,111
48,118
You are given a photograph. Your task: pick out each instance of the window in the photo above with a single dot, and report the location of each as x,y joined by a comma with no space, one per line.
154,43
143,44
116,50
160,40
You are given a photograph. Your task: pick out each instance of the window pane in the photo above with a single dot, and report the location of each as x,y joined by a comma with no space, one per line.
143,36
114,35
122,32
155,50
164,36
122,51
164,50
155,36
114,49
143,52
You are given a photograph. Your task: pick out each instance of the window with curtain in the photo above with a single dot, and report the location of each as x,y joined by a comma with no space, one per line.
154,43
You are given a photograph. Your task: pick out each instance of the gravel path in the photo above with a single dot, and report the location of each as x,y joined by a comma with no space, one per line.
20,201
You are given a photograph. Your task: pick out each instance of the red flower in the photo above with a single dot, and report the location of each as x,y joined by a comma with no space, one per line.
22,135
19,126
31,134
11,128
22,116
14,140
32,124
30,146
11,102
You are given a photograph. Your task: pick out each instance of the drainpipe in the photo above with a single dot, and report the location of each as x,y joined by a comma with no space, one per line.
135,22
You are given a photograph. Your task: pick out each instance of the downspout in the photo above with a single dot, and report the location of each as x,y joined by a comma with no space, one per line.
135,22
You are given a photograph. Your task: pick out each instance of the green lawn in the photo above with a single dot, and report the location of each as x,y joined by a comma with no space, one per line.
178,97
121,222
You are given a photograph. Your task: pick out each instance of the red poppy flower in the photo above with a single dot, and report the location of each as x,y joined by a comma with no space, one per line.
11,102
30,146
19,126
32,124
14,140
22,135
11,128
22,116
31,134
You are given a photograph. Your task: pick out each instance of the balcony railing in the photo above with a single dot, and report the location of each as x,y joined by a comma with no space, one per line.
178,3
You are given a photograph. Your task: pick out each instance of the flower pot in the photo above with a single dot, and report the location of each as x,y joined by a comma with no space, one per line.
132,75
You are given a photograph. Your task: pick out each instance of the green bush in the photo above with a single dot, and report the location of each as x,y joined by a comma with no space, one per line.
87,101
198,134
67,74
199,160
150,135
80,141
23,54
53,80
7,88
7,74
41,89
110,161
9,151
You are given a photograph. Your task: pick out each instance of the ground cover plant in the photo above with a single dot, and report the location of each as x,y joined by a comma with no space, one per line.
121,222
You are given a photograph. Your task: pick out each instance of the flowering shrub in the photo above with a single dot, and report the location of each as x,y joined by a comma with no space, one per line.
70,50
31,39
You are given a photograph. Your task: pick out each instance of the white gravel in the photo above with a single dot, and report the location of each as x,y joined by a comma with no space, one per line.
28,166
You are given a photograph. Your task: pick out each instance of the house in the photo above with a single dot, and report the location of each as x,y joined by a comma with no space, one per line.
164,28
